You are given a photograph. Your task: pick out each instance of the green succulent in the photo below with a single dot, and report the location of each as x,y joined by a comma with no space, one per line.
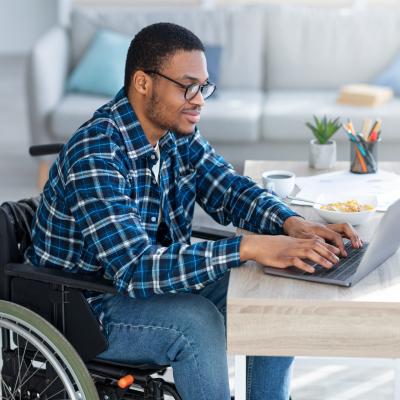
324,128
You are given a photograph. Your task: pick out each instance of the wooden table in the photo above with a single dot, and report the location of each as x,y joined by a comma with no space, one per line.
269,315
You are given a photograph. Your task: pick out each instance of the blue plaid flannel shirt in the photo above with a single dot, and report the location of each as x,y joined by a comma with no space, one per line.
99,210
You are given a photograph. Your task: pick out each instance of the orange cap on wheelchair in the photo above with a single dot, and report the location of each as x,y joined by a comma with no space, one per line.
126,381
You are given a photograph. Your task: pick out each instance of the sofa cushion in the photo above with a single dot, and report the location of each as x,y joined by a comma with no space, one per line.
285,113
213,56
73,110
235,30
390,76
324,48
100,71
234,116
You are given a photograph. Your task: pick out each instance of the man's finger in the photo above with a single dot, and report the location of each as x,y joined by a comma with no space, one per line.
319,255
331,248
329,252
334,237
298,263
348,231
308,235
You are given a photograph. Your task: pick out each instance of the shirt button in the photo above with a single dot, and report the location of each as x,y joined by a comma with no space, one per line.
154,181
153,157
153,219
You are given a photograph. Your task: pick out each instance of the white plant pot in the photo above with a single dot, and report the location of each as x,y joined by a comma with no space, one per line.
322,156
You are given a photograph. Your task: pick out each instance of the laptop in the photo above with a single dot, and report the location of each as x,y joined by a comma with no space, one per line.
359,262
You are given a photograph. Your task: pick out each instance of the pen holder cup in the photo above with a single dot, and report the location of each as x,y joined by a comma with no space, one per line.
364,157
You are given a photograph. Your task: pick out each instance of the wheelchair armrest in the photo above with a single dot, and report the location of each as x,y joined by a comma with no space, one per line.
45,149
205,232
60,277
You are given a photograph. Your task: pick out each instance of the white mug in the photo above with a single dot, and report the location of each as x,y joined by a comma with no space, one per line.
281,182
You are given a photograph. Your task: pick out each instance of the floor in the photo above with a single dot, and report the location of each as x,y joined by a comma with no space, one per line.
313,378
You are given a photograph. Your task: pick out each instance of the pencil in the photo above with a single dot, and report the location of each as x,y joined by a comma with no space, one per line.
351,127
366,127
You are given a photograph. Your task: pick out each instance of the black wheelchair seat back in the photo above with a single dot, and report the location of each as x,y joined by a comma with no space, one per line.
65,307
9,248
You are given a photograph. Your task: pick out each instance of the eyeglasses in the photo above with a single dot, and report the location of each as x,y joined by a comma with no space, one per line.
191,91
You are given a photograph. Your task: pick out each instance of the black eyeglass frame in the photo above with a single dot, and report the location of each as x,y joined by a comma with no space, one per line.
187,87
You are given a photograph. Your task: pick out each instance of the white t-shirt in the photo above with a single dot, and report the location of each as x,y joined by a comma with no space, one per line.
156,172
156,167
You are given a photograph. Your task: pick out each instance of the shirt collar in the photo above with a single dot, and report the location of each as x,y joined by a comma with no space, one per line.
137,144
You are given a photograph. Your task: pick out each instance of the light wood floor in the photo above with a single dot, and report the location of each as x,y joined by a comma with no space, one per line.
313,379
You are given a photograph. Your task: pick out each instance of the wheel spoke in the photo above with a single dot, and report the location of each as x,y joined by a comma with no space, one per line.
3,384
19,365
33,373
20,361
27,367
44,390
55,394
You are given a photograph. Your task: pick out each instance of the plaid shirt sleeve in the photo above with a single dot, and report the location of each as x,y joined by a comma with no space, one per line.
230,197
98,195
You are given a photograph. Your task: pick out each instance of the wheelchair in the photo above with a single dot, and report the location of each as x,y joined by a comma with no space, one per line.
50,339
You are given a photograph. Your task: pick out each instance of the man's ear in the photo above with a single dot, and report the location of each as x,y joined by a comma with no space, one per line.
141,82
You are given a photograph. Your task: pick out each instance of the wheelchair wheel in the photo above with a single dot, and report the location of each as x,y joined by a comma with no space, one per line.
37,361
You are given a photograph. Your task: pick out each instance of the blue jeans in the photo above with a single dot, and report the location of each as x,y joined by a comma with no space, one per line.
187,331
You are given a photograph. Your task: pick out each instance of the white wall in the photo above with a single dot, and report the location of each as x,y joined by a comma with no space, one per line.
23,21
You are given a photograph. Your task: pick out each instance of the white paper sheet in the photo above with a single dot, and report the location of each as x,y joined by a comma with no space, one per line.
385,185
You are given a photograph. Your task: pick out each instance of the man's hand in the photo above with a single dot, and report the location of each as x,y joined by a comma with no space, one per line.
334,233
283,251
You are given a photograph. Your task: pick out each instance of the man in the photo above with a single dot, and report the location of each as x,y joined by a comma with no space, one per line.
119,203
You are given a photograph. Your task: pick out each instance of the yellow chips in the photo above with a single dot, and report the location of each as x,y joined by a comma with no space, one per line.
347,206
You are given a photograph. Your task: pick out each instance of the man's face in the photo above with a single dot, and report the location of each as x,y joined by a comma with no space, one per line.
166,107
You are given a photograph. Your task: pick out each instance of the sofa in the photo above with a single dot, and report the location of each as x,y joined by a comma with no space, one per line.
280,65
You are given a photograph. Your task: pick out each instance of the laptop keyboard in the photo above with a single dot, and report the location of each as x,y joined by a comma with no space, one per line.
345,268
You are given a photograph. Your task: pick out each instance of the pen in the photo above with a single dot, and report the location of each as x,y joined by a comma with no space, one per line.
373,134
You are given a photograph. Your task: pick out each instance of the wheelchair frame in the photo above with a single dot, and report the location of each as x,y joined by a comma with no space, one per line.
57,297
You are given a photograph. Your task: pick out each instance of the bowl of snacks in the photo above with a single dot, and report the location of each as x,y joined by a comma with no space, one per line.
349,208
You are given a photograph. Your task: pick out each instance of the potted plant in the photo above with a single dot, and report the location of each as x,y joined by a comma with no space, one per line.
323,148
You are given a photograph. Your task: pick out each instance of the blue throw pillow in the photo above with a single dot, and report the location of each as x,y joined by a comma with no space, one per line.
390,76
213,56
101,69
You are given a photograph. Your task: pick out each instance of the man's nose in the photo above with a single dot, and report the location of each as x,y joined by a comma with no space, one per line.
198,100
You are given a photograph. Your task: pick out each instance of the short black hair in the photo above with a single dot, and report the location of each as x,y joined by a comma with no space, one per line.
154,44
